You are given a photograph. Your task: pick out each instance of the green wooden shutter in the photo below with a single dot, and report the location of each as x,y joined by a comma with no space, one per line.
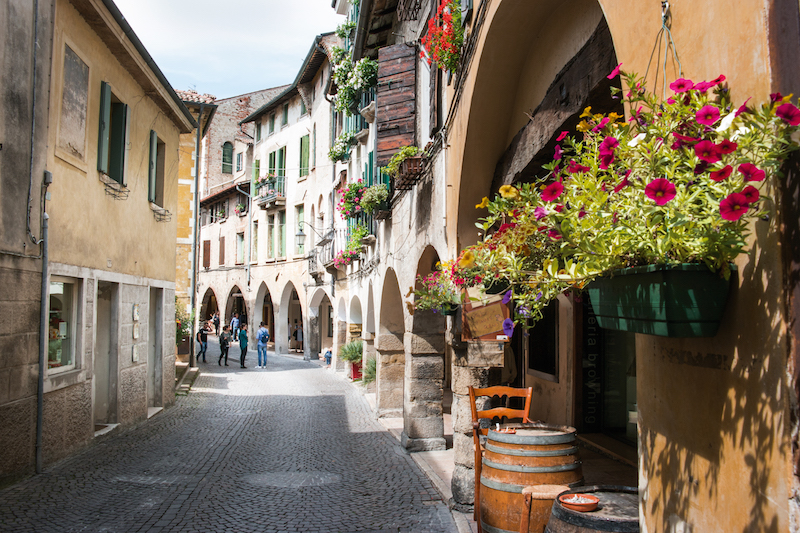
116,145
151,172
370,172
105,127
304,155
314,147
256,169
272,162
282,161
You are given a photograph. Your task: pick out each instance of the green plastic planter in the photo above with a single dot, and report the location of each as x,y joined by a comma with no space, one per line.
685,300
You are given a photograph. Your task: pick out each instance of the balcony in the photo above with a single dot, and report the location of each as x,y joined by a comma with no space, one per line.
271,193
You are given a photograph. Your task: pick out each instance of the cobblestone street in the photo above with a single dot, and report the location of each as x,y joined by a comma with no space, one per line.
290,448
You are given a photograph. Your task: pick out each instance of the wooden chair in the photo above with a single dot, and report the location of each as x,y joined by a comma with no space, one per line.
496,412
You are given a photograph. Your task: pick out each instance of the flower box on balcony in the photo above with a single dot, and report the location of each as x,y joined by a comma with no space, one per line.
410,170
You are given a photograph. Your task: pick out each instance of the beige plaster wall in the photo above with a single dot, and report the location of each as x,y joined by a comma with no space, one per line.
185,218
88,227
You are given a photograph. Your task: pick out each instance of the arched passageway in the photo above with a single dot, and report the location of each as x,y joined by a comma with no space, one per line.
208,305
320,334
236,305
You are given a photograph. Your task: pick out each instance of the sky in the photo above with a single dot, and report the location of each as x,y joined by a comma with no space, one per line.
229,47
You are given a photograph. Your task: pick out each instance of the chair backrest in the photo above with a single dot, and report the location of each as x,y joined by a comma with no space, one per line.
509,392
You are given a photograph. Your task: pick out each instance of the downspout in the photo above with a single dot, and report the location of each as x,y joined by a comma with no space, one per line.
195,233
44,329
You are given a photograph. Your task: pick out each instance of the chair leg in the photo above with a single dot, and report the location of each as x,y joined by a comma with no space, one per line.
525,515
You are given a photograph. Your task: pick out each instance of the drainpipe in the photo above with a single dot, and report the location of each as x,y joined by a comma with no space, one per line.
195,233
250,234
44,329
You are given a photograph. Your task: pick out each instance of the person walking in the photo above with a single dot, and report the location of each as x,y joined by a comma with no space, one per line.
215,320
243,344
202,340
235,326
262,335
224,343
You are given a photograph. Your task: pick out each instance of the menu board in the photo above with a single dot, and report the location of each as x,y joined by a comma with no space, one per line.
483,317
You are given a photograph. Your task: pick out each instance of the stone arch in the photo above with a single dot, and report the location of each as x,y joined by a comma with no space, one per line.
208,305
290,314
320,334
235,303
390,349
263,309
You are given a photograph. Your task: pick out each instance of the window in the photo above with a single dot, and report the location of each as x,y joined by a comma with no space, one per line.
543,342
258,131
300,214
227,158
254,243
74,99
281,233
272,163
282,161
314,146
271,237
239,162
303,109
240,248
304,142
219,211
222,251
155,173
112,135
63,313
272,124
285,116
256,168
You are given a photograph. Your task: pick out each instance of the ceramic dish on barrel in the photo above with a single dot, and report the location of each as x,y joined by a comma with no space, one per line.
579,502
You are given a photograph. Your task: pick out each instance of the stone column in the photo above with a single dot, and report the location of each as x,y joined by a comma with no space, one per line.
341,340
391,357
423,423
312,337
369,353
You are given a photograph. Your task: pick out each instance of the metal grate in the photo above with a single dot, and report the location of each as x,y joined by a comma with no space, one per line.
408,9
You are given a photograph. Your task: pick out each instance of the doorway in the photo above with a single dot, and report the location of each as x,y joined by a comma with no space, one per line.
155,350
106,356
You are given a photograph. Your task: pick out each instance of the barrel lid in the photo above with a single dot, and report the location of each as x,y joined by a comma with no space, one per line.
534,434
617,511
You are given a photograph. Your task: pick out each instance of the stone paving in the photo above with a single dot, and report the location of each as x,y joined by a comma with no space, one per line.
292,448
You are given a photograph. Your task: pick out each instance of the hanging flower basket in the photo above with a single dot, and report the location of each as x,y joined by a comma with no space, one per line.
683,300
410,170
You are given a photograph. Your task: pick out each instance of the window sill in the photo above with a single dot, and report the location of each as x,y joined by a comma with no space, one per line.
281,259
302,178
299,257
270,260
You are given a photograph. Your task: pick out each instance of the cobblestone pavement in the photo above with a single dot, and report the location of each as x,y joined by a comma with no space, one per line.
292,448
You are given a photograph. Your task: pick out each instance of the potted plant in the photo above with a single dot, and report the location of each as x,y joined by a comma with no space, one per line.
340,151
352,352
445,36
374,199
351,79
441,290
675,185
221,213
350,202
240,209
405,166
345,29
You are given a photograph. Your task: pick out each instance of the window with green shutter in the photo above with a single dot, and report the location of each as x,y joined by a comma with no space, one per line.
304,145
112,135
227,158
303,109
272,163
256,169
272,124
258,131
285,117
155,171
282,161
281,233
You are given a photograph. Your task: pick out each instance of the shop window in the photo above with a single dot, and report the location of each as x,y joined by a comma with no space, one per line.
63,314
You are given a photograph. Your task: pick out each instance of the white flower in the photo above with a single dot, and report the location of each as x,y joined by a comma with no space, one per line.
738,133
636,140
726,122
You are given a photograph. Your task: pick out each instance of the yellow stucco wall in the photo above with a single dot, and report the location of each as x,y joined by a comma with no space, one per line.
185,213
713,413
88,227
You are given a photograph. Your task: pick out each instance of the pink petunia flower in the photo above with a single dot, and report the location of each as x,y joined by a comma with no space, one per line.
561,136
789,113
751,172
733,206
681,85
608,144
775,97
540,212
574,168
552,191
614,73
601,125
727,147
557,153
708,115
721,174
751,193
582,213
743,108
624,183
707,151
554,234
660,190
606,159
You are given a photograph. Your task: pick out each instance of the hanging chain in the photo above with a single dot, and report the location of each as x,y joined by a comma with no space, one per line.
665,28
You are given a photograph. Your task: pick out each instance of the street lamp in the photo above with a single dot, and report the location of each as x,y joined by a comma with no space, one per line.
300,237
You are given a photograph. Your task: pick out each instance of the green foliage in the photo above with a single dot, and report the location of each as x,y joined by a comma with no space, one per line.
373,197
350,202
345,29
439,289
370,371
340,150
351,79
352,352
404,153
183,322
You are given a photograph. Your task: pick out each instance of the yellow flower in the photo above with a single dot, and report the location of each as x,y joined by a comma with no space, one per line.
614,117
583,126
587,112
484,203
467,260
508,191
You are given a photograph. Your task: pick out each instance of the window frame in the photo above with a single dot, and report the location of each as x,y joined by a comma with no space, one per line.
305,148
79,161
239,159
112,143
156,170
285,115
271,124
227,153
74,327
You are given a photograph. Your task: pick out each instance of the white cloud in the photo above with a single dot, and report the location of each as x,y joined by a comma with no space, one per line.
231,47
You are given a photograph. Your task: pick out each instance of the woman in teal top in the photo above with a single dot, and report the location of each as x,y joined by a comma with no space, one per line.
243,343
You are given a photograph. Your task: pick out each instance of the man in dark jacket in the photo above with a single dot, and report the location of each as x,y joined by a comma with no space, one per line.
202,341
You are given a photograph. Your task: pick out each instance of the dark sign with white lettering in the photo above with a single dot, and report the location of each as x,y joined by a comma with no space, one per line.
592,371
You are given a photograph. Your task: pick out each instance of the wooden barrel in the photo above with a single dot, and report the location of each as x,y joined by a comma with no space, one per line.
537,454
617,511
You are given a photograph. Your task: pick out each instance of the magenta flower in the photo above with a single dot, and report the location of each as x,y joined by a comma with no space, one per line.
703,86
508,327
540,212
789,113
660,190
554,234
624,183
707,151
685,138
751,193
743,108
751,172
775,97
561,136
606,159
582,213
574,168
727,147
614,72
681,85
708,115
608,144
721,174
733,206
601,125
557,154
552,191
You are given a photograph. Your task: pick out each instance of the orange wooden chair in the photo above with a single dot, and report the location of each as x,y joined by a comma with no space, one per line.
496,412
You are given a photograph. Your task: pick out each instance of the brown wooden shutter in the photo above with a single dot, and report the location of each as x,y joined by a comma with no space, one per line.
222,251
206,254
435,99
396,100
